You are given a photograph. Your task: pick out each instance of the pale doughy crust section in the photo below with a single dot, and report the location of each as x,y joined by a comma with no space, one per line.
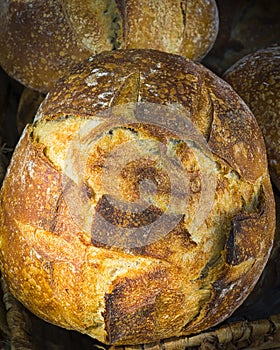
185,280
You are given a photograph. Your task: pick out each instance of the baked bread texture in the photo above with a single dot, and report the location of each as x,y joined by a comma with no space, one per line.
256,78
40,40
138,205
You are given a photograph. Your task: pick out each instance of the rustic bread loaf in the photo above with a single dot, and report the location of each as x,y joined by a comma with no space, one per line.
138,205
256,78
40,39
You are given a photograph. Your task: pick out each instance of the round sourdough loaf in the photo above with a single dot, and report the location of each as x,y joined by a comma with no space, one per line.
40,39
138,205
256,78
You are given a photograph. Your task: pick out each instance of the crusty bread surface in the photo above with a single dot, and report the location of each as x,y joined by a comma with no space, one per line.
129,289
40,40
256,78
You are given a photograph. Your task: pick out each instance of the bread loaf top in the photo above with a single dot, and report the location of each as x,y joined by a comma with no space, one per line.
138,205
39,40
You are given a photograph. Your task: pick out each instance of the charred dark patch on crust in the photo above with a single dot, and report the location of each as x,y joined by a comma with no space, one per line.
122,216
130,313
242,244
119,322
119,226
161,250
88,191
121,312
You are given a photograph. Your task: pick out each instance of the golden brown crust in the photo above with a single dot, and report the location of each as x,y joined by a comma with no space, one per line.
218,118
241,254
173,26
37,44
130,290
201,21
256,79
97,24
40,41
